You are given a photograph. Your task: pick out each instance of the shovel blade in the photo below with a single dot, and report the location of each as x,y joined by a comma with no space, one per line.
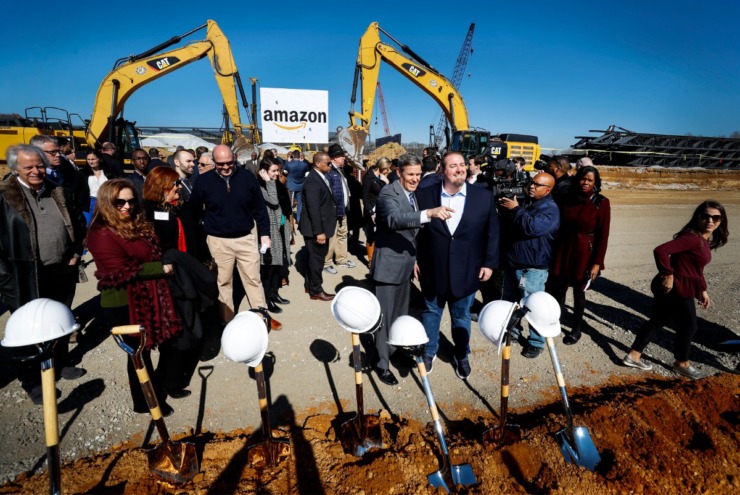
511,435
174,462
361,434
580,449
437,480
268,453
462,474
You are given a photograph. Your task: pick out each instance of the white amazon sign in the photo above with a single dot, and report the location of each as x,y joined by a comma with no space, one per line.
294,115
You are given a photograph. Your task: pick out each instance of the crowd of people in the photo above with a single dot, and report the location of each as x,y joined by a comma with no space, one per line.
178,243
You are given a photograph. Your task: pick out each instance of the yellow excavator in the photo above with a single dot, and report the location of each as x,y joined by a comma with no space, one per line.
131,73
467,140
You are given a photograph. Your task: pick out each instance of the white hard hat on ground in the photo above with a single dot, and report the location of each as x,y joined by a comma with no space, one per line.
37,321
407,331
543,314
356,309
493,320
245,339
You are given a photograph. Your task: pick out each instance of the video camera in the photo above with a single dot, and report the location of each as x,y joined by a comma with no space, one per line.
506,182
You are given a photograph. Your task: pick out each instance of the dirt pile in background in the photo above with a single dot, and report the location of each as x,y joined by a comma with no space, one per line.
656,178
388,150
654,436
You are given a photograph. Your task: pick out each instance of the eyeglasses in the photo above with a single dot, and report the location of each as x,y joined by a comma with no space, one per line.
223,164
201,164
177,183
120,203
53,152
537,184
714,218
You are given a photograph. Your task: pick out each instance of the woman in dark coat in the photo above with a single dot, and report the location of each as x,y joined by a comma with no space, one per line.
374,180
277,258
192,285
679,282
580,248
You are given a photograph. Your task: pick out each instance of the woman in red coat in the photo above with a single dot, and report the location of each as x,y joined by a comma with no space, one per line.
131,275
579,254
680,280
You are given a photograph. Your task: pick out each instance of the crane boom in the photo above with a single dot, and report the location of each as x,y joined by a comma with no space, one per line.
381,104
457,76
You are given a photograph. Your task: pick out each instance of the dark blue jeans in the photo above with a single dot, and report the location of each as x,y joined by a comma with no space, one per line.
460,316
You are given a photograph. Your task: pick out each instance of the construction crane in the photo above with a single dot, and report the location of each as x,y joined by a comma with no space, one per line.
381,104
457,76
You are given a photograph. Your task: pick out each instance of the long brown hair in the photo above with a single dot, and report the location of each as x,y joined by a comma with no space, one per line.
720,234
106,215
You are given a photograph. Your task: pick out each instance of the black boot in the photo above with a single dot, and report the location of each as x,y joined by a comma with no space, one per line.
272,307
573,337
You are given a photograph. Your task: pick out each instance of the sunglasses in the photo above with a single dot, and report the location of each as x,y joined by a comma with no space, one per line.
120,203
177,183
714,218
224,164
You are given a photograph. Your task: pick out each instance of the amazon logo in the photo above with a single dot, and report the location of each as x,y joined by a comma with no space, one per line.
293,120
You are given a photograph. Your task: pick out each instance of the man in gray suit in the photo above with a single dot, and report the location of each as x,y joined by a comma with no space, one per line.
398,221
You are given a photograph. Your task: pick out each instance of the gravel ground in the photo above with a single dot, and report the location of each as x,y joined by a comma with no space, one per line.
308,361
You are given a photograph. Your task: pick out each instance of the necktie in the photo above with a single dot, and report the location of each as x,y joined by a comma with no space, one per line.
411,200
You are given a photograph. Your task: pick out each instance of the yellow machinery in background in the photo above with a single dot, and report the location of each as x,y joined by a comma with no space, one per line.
467,140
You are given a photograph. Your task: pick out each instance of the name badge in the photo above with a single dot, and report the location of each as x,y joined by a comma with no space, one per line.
162,215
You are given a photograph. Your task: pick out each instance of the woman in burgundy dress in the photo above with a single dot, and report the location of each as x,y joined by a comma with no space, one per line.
680,280
580,248
131,275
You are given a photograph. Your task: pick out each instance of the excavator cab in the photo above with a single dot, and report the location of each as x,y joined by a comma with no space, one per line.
471,142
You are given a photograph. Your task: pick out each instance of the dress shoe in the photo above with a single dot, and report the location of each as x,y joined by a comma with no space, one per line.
280,300
322,296
273,308
72,373
180,394
164,407
572,338
275,325
386,376
532,352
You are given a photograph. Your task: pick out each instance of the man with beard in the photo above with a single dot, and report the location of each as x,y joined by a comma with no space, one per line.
455,255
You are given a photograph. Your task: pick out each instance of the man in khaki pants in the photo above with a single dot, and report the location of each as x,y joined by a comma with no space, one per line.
232,204
340,191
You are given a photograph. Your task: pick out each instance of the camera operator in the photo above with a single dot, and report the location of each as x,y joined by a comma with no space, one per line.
531,230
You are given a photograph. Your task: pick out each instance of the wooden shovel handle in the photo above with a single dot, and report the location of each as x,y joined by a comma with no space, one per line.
126,329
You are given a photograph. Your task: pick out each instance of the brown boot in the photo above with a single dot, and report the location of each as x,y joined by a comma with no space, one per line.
370,250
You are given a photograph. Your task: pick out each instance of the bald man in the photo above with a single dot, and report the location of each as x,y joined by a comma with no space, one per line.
532,228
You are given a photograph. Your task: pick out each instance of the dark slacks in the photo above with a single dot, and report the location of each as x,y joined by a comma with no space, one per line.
394,302
316,254
682,311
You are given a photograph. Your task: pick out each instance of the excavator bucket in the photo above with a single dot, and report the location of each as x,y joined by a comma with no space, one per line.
352,141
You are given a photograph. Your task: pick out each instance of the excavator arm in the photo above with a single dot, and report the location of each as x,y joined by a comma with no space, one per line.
367,69
131,73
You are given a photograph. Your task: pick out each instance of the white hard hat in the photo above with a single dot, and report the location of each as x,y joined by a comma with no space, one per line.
493,319
543,314
356,309
38,321
407,331
245,339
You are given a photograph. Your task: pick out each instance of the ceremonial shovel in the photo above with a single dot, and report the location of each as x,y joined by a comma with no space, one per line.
269,451
172,461
361,433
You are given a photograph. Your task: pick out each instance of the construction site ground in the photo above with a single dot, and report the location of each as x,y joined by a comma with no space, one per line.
656,433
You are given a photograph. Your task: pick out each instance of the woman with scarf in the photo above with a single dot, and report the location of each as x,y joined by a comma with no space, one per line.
131,276
279,210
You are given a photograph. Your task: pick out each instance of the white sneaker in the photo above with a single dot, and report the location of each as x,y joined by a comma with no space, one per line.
330,269
347,264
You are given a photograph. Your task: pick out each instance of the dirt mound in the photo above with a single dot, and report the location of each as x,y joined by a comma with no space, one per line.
388,150
679,179
654,436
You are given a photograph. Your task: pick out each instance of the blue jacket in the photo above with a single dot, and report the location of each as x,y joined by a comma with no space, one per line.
231,208
296,174
533,231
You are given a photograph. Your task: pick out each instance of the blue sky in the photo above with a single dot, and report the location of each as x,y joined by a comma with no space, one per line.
552,69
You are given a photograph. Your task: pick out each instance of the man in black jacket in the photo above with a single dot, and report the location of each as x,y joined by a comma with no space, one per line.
232,203
318,223
40,244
